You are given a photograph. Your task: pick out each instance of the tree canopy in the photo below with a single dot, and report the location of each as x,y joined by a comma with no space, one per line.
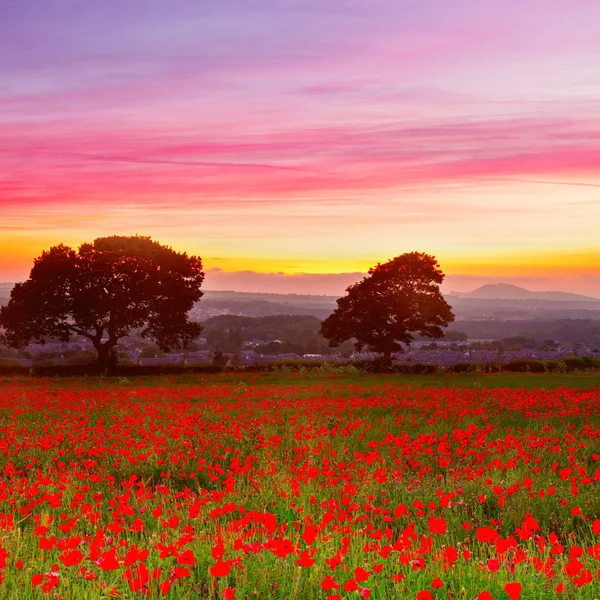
396,299
103,291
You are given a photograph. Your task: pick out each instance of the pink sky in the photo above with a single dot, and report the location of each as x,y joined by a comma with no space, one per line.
293,143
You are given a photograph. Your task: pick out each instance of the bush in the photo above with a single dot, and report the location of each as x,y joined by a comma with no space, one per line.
94,370
283,366
525,365
490,367
414,369
9,362
376,365
467,367
340,368
12,369
345,368
556,366
461,367
573,363
581,363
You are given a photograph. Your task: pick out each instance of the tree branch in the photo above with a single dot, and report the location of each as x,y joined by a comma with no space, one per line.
80,331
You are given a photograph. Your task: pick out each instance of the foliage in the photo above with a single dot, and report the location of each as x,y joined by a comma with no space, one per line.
380,365
6,352
264,328
455,336
297,334
219,359
104,291
151,351
525,366
581,363
9,364
228,340
395,300
542,331
95,370
80,358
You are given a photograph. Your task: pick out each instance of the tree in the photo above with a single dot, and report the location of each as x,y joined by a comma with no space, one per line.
219,359
396,299
456,336
229,340
548,344
103,291
151,351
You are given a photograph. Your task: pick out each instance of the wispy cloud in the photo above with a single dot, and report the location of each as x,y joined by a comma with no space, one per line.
302,127
314,161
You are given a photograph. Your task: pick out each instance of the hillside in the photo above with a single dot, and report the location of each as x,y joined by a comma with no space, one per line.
506,291
492,302
262,305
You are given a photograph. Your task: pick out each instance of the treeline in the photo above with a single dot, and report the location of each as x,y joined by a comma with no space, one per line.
279,334
563,331
564,365
275,334
263,308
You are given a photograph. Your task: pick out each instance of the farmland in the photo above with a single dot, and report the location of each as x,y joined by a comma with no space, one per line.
281,486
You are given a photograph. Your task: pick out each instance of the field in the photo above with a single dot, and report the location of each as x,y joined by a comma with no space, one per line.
313,487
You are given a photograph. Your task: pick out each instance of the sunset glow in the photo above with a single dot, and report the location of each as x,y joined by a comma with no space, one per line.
288,143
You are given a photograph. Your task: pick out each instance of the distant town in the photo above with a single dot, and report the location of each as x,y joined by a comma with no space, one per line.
496,323
132,351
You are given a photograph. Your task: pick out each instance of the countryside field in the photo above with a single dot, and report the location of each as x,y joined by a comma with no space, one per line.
303,487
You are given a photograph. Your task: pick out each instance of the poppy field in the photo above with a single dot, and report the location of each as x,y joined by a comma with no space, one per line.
298,489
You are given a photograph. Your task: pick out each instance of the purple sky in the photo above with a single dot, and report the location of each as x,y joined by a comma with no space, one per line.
308,136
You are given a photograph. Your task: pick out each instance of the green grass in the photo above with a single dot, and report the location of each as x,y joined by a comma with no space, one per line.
530,381
406,424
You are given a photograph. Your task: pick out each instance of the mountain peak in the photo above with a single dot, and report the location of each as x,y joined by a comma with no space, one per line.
507,291
501,290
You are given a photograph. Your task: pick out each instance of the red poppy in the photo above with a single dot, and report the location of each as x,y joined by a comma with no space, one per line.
513,590
220,569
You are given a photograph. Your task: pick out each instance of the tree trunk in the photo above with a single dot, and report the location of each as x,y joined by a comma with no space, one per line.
386,356
387,348
105,360
103,355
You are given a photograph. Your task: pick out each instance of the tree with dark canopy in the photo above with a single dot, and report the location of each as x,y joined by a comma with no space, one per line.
104,291
396,299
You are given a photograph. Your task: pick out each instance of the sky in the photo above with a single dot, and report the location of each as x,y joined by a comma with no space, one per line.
292,144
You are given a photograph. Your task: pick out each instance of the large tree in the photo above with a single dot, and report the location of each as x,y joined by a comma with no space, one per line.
103,291
396,299
229,340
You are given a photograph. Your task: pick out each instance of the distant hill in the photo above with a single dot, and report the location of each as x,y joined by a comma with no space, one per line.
262,305
563,331
5,289
506,291
490,302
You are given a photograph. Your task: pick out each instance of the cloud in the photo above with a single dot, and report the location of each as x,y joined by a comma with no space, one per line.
301,125
298,163
322,284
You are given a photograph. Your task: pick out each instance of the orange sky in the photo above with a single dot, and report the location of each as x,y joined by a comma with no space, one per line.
276,140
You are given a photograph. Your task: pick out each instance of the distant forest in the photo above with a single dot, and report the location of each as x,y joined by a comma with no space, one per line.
563,331
232,318
300,334
279,334
537,319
